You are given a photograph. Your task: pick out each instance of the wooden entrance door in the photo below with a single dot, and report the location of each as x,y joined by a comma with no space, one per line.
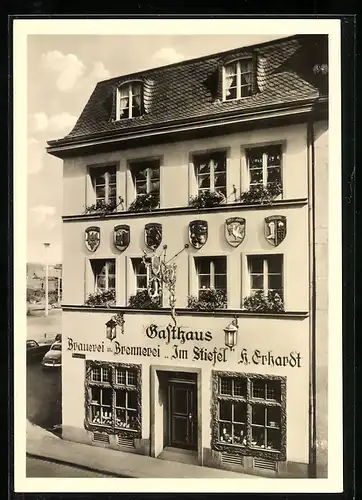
183,414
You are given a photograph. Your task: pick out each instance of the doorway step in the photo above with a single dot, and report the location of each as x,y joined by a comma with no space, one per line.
179,455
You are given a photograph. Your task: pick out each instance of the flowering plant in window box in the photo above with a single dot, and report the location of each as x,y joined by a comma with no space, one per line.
208,300
261,302
142,300
102,207
258,193
206,199
145,202
101,298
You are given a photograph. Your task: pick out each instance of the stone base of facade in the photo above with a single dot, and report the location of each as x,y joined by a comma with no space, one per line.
250,465
212,459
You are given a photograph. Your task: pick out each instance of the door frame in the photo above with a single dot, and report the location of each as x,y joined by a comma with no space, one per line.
155,427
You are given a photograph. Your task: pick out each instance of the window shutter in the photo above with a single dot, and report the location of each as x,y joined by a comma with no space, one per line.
219,82
146,97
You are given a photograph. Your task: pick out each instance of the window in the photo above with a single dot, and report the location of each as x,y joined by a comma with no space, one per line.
130,100
210,171
265,166
142,274
238,79
211,274
146,176
249,413
104,183
113,396
266,273
104,272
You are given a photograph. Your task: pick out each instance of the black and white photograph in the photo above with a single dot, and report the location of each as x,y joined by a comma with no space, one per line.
179,186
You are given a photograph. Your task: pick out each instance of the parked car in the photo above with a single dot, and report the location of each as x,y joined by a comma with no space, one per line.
35,350
53,358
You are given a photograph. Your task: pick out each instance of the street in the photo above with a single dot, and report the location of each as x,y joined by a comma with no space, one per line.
43,387
42,468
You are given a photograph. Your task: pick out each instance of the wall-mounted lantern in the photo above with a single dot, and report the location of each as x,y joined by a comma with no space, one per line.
111,329
231,334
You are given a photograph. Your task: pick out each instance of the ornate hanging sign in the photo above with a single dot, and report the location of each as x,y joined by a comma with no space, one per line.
198,232
275,229
153,235
92,238
235,230
121,237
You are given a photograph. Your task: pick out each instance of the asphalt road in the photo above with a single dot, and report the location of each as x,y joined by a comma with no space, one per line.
43,395
42,468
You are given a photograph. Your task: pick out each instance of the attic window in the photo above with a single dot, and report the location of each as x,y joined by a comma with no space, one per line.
129,100
238,79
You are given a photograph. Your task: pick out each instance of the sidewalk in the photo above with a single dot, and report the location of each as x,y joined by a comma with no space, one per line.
45,445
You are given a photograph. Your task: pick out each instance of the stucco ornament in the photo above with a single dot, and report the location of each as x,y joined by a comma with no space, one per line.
275,229
92,238
198,233
235,230
121,237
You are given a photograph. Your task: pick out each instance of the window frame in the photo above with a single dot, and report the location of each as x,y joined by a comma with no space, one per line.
250,401
105,261
133,260
196,163
92,172
212,274
264,148
112,384
132,165
265,257
239,85
129,84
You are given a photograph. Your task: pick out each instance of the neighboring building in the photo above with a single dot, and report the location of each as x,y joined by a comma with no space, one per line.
247,132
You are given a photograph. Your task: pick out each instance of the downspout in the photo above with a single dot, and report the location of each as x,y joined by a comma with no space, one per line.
312,473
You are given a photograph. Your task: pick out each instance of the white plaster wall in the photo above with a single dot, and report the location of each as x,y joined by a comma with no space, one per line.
175,159
281,336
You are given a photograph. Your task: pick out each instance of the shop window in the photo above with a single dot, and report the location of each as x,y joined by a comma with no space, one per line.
113,397
129,100
211,274
238,79
104,185
249,414
265,167
210,172
266,274
104,272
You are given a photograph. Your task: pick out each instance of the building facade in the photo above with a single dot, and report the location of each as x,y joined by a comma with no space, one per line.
195,262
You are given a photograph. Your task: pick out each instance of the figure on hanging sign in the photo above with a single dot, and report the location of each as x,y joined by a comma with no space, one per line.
92,238
235,230
156,264
153,235
198,232
154,287
275,229
121,237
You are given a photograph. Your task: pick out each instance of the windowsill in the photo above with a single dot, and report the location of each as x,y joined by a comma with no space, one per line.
190,312
229,207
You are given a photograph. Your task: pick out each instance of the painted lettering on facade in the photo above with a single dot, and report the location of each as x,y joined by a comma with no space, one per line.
172,333
293,359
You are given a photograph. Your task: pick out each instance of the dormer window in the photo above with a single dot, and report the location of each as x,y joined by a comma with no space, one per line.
238,79
129,102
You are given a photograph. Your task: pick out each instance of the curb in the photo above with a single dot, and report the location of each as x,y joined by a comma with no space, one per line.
78,466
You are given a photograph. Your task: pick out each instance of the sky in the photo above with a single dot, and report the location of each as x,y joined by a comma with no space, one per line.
62,73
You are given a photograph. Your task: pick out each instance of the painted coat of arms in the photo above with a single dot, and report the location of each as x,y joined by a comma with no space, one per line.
235,230
198,232
92,238
121,237
275,229
153,235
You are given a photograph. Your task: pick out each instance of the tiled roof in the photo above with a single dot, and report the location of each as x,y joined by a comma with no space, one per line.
192,89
